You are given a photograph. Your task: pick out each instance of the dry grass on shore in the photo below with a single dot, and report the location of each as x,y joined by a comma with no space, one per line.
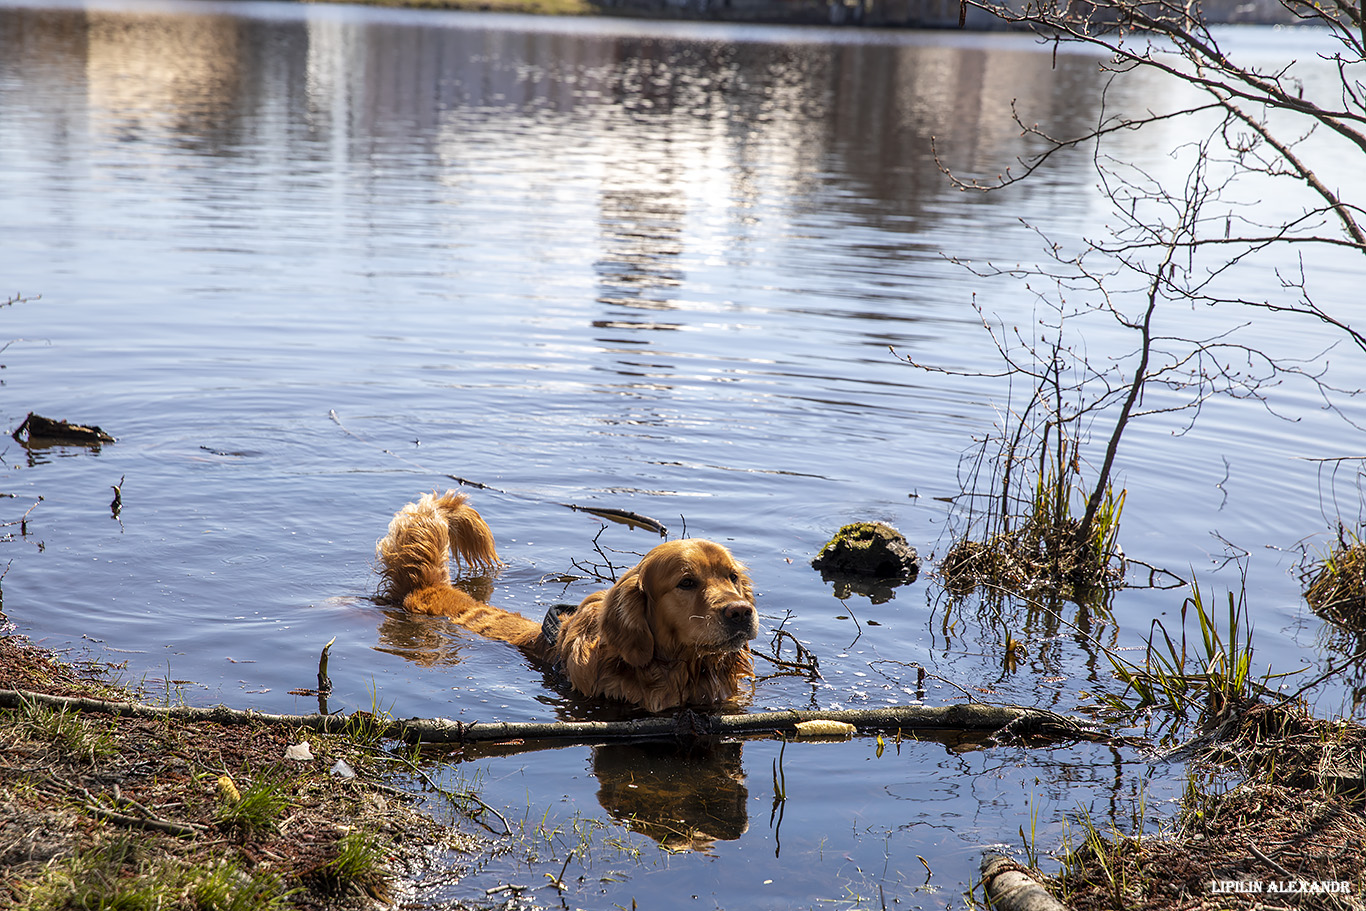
1296,819
103,812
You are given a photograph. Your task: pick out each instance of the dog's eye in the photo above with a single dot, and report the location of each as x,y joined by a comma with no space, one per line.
688,583
735,577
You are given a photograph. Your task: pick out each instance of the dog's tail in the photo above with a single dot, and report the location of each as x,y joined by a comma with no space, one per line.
422,537
415,567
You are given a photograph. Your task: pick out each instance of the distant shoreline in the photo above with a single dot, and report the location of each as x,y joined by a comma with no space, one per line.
921,14
528,7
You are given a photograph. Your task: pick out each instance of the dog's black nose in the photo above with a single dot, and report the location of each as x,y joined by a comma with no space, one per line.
740,615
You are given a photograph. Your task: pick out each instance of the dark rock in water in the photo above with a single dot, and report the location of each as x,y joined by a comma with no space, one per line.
38,430
868,550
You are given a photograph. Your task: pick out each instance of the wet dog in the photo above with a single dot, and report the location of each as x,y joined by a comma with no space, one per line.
672,631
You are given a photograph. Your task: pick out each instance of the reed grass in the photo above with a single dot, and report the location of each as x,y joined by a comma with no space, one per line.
1209,675
1337,587
1044,549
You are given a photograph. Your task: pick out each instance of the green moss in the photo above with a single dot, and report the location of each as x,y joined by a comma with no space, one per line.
868,549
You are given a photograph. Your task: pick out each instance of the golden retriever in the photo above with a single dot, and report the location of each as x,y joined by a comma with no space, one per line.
673,631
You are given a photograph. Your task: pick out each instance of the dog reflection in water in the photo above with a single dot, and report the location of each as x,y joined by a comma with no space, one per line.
419,640
685,800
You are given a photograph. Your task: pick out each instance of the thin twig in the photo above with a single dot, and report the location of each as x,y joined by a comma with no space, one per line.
602,512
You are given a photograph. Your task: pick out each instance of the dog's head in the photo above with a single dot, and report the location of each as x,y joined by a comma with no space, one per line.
685,598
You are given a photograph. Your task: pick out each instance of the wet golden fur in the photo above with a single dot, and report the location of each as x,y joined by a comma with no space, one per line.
673,631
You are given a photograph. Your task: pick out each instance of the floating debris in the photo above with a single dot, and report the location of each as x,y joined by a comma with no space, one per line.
822,727
38,430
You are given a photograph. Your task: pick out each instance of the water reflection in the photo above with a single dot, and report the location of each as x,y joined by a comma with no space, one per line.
689,797
684,799
159,74
421,640
677,124
428,641
642,239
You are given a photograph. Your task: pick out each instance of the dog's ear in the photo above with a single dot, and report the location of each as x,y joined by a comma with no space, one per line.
626,620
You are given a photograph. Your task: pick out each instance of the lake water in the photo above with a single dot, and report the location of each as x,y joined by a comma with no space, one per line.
308,262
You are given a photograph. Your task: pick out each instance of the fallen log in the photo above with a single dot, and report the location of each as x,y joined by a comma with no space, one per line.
1011,886
972,716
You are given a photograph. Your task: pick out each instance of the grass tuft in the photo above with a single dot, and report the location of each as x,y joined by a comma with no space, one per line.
227,887
72,734
1337,589
116,876
256,811
1210,676
1043,550
358,867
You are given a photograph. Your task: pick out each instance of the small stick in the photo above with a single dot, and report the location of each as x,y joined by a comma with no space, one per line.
624,516
324,682
621,515
1269,862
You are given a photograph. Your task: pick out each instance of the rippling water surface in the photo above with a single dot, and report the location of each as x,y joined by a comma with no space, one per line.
307,262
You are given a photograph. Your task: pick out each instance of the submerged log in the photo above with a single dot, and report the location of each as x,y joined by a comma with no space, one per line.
962,717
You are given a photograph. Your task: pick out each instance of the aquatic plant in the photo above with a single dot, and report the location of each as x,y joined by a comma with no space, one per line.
1210,677
1035,523
1337,582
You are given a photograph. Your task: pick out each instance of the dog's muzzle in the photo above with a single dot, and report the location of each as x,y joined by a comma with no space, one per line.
741,620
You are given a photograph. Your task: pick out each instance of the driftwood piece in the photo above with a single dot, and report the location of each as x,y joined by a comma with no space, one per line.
1011,886
38,429
624,516
964,717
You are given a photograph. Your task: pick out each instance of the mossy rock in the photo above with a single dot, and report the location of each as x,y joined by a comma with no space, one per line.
868,550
